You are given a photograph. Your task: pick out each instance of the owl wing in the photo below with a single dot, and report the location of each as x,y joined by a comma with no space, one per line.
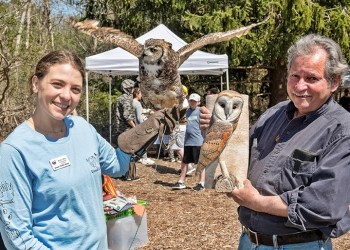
111,35
186,51
214,143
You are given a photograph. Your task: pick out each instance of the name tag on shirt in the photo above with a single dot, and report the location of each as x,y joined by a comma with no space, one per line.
60,162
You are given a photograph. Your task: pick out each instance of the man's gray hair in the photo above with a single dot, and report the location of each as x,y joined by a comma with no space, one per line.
336,64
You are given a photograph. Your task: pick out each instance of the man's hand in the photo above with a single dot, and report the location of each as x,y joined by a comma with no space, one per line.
248,196
205,117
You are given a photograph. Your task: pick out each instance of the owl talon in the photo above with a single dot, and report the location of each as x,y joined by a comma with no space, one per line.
224,185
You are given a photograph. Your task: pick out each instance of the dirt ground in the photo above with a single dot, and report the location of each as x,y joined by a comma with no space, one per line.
185,219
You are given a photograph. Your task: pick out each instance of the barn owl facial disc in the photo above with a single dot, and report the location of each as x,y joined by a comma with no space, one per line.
227,110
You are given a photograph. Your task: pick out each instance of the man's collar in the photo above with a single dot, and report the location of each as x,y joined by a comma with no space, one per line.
290,110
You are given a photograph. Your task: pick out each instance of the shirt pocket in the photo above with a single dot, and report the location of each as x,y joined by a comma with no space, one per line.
298,170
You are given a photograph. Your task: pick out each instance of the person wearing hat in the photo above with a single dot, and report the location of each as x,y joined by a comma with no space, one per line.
124,119
193,142
124,111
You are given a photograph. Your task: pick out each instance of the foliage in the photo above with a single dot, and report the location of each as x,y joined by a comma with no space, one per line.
99,102
24,39
14,70
264,47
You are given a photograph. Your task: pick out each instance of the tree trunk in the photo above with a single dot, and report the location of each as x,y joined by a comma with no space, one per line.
28,24
48,23
20,30
278,84
5,77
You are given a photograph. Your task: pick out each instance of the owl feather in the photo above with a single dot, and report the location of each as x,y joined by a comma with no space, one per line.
217,37
158,63
215,141
227,110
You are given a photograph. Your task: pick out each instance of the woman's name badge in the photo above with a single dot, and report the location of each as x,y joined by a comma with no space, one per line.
60,162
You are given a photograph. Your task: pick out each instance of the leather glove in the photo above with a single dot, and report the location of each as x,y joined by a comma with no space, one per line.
135,141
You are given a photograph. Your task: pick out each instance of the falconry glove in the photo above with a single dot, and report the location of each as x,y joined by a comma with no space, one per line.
135,141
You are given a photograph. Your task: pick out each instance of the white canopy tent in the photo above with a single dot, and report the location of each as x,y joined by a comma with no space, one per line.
120,62
346,80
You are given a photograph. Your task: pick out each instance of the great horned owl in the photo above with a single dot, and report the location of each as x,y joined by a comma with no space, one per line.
227,110
158,62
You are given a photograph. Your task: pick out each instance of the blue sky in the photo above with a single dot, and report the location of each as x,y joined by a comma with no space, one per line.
59,7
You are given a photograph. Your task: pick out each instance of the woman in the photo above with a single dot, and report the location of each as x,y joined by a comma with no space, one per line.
177,136
139,119
51,166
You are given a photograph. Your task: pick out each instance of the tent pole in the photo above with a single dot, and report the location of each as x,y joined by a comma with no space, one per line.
87,95
220,83
227,80
110,110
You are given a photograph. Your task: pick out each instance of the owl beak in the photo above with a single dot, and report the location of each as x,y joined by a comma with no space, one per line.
228,109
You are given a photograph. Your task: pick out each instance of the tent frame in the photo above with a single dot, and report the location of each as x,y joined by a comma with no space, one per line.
110,98
120,62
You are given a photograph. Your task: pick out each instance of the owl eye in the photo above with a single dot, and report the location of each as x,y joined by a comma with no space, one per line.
153,50
234,106
222,105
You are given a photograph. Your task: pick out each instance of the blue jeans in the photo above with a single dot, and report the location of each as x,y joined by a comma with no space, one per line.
246,244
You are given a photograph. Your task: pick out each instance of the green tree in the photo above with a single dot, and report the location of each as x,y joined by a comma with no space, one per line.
293,19
265,45
28,30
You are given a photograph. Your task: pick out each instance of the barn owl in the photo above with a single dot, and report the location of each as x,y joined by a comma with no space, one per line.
227,110
158,62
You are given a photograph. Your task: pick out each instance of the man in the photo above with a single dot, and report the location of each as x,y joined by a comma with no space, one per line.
193,142
297,195
124,111
213,91
345,100
124,119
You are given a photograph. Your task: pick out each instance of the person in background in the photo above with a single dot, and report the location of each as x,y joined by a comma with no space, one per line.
124,111
297,192
345,100
51,166
139,118
124,118
193,142
213,91
210,91
177,137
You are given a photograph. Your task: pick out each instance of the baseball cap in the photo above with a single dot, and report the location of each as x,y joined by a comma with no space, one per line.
128,83
185,90
195,97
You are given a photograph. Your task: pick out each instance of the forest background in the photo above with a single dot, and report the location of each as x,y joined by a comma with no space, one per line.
31,28
257,61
